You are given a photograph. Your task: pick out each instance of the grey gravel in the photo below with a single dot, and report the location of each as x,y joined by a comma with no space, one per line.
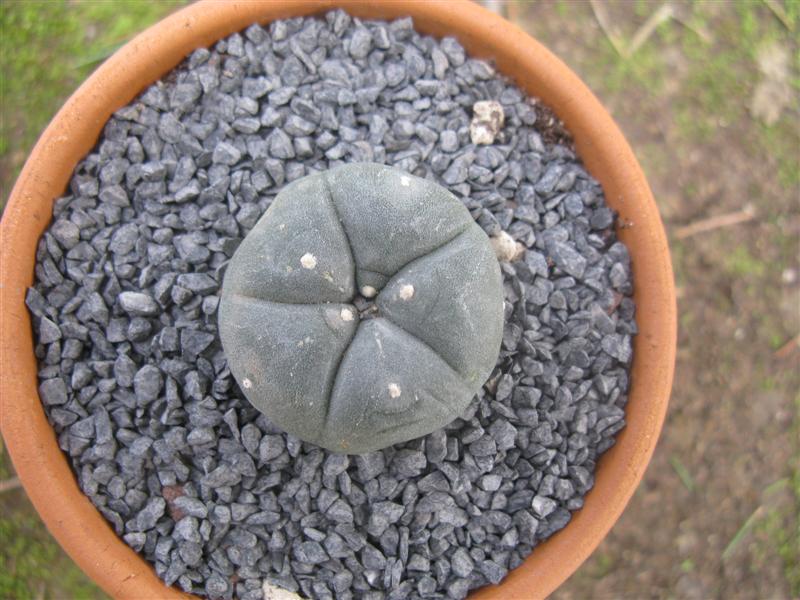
568,259
49,332
226,154
192,507
310,553
543,506
149,515
136,386
137,303
147,384
448,140
53,391
66,232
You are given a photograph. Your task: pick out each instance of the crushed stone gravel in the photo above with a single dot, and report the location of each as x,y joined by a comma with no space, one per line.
133,377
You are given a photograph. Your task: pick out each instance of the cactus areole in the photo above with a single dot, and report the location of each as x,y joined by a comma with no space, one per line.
364,309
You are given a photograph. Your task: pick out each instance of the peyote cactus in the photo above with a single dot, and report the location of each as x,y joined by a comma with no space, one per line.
326,364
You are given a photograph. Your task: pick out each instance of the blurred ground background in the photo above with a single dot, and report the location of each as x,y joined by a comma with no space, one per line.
707,94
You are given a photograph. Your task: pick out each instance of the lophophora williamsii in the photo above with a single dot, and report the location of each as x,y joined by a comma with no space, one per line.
364,309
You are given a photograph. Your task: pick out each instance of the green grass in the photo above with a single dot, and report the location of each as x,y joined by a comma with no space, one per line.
722,76
602,565
784,144
706,64
741,263
32,564
46,49
721,73
718,78
783,530
614,74
778,532
682,472
786,536
757,275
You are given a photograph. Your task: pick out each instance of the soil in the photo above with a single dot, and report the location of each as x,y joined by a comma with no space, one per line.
551,128
716,514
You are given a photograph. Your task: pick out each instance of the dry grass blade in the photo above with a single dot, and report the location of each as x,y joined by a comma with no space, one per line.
9,484
757,514
698,30
743,530
682,472
788,348
664,13
734,218
780,12
682,14
600,14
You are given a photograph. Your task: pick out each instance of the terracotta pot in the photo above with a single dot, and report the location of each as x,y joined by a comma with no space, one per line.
43,468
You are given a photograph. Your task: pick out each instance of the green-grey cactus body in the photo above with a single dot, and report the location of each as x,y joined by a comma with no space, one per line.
297,345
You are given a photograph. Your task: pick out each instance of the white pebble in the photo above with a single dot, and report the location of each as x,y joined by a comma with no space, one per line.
407,291
308,260
405,181
506,249
394,390
487,120
480,134
346,314
246,383
273,592
368,291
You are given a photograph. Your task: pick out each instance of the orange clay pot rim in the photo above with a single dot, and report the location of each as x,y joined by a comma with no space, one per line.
43,468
